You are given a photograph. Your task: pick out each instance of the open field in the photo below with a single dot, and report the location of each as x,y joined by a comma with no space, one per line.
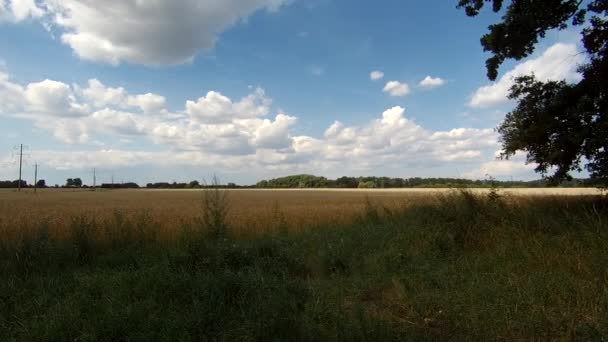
374,265
251,211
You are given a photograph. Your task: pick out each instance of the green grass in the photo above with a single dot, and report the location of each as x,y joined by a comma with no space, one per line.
464,268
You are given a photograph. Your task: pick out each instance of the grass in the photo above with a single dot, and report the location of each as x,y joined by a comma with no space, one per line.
461,266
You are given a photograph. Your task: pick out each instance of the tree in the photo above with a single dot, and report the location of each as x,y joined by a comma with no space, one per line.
347,182
559,125
75,182
41,183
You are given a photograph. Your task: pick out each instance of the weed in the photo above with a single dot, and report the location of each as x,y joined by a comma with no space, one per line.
215,211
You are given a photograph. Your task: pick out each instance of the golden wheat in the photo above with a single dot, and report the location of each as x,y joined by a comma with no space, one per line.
250,211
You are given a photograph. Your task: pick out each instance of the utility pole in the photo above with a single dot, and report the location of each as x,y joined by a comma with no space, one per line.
112,180
35,176
94,181
20,163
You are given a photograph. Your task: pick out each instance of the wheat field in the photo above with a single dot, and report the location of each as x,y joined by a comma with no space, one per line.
250,211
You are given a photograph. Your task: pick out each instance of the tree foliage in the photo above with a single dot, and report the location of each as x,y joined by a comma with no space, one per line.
73,182
12,184
310,181
295,181
559,125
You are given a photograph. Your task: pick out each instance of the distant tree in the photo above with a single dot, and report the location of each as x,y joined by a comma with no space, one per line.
73,183
41,183
295,181
127,185
262,184
347,182
559,125
194,184
12,184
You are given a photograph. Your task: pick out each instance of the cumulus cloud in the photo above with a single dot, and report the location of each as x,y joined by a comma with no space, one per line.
395,140
214,123
275,134
52,98
396,88
148,103
145,32
19,10
376,75
100,95
558,62
241,133
432,82
215,107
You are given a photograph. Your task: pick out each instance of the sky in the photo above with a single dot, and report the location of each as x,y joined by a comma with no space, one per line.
175,90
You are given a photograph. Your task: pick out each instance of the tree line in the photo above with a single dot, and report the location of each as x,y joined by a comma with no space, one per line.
311,181
7,184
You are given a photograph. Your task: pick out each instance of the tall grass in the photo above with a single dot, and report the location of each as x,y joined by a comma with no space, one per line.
215,211
462,267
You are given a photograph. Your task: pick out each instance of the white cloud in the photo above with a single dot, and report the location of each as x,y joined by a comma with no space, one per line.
19,10
395,140
52,98
432,82
396,88
102,96
217,108
376,75
275,134
118,122
148,103
158,32
558,62
238,133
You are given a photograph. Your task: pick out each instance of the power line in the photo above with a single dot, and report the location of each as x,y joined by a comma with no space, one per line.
19,156
20,164
35,176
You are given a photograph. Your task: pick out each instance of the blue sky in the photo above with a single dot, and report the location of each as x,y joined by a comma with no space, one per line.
251,89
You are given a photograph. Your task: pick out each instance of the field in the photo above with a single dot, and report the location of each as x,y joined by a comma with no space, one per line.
143,265
250,212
